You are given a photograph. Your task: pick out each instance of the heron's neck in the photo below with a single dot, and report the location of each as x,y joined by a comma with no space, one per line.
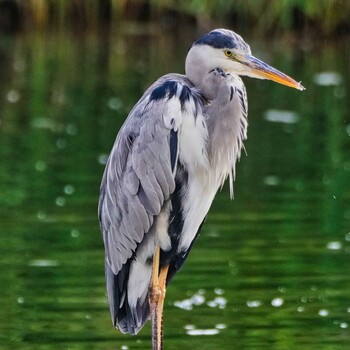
197,69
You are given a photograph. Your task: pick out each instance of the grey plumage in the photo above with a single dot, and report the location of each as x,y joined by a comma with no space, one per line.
175,150
138,182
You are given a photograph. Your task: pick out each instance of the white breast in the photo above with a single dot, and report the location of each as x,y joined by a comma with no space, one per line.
202,181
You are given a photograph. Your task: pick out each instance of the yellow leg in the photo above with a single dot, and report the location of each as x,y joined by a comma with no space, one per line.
156,297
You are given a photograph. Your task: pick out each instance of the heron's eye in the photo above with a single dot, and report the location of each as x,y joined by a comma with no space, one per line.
228,53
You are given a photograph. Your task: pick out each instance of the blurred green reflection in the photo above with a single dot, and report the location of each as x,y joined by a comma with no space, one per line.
270,270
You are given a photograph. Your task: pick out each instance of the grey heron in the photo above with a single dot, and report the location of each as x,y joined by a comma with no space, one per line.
175,150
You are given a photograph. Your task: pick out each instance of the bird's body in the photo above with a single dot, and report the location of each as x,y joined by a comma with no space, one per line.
175,150
195,153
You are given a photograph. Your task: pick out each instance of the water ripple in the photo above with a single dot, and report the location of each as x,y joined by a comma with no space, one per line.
281,116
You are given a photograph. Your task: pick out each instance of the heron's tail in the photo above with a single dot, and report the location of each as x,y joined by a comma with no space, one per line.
127,319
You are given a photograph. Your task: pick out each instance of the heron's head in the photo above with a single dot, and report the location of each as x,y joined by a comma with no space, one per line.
222,48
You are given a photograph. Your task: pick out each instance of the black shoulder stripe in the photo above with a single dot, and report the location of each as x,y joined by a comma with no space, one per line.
185,95
166,90
173,148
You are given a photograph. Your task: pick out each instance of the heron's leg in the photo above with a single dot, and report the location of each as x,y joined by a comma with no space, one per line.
162,286
156,300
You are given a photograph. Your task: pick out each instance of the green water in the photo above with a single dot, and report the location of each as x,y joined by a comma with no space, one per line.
270,269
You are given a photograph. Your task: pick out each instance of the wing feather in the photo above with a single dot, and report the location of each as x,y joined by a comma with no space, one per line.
139,175
162,180
132,182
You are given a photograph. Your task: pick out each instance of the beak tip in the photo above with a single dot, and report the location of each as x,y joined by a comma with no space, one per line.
300,87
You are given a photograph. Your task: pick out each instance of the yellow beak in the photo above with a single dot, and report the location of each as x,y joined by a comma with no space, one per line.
262,70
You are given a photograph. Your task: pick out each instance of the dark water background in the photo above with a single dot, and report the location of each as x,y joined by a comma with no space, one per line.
271,269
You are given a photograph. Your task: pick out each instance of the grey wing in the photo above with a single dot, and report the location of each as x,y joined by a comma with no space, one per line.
139,176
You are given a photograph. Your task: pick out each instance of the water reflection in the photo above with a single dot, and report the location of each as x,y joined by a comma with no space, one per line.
199,298
327,78
270,270
287,117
